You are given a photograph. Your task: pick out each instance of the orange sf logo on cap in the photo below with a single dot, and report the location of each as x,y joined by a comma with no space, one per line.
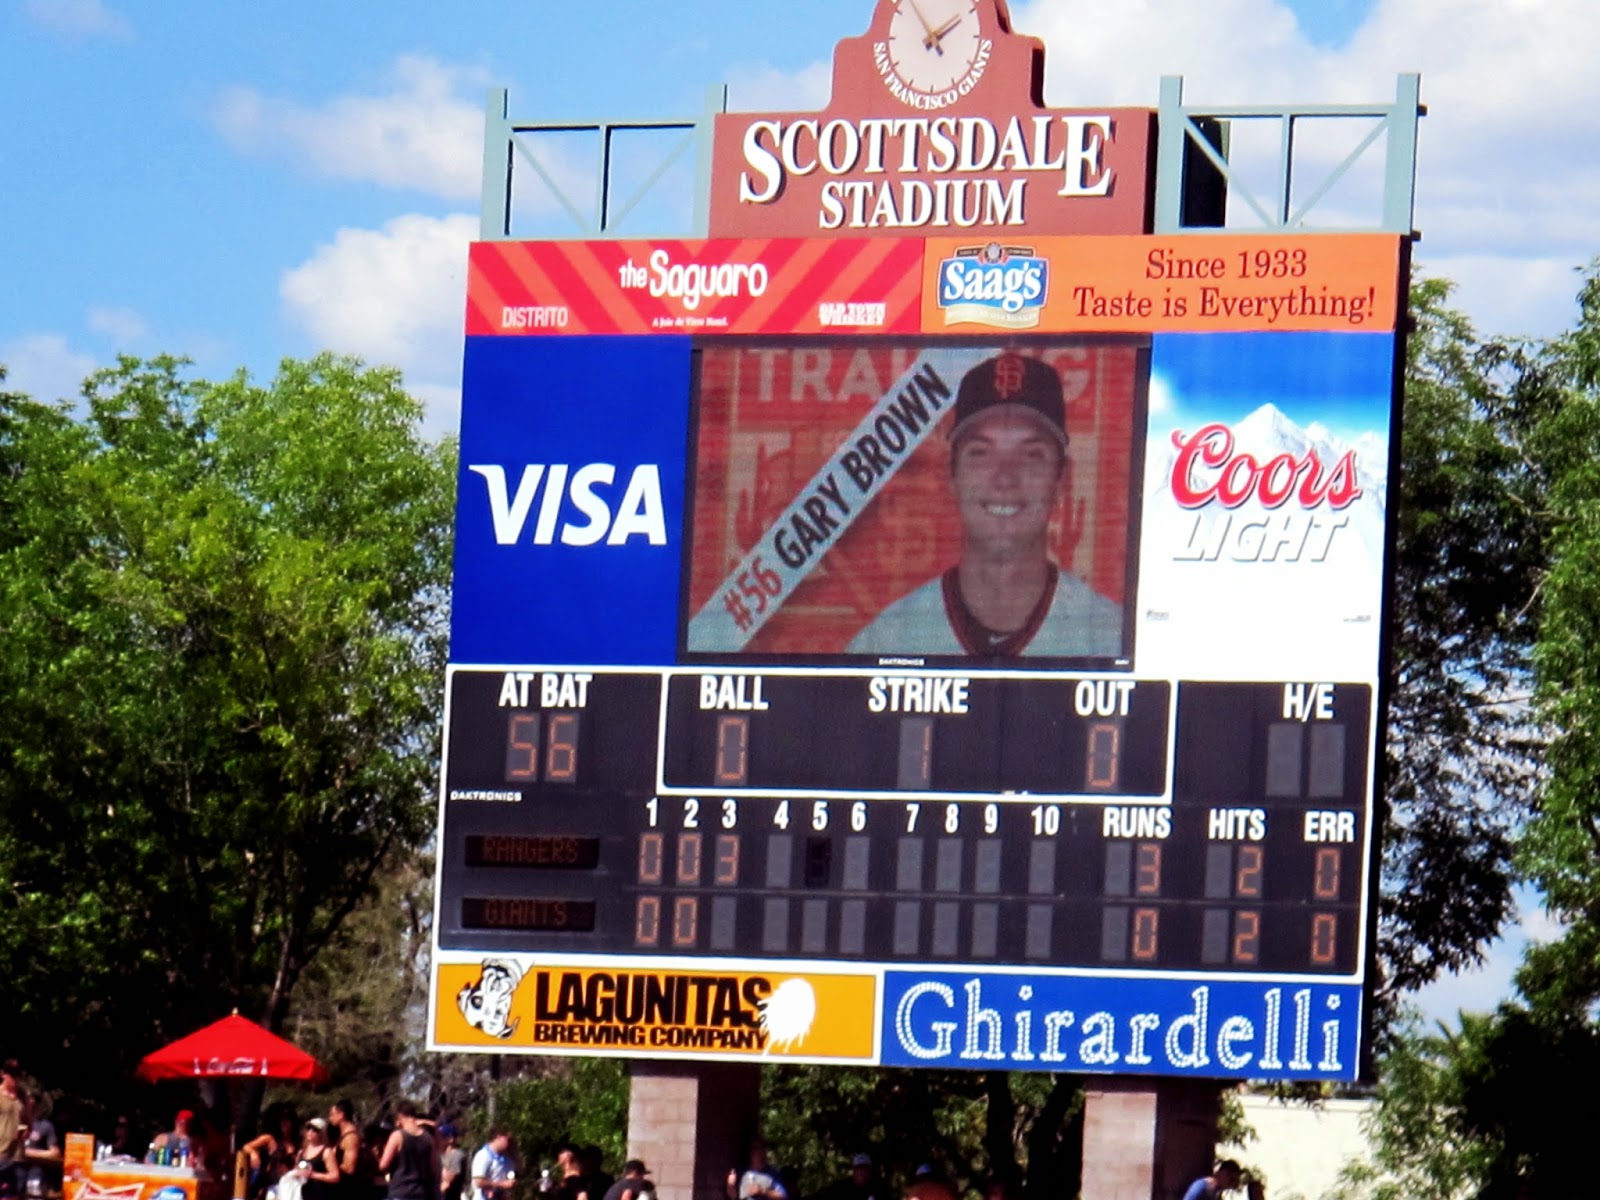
1008,376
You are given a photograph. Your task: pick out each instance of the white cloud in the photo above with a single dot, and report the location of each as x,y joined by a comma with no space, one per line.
762,88
121,325
44,366
1508,184
1481,989
394,296
79,18
420,134
1507,296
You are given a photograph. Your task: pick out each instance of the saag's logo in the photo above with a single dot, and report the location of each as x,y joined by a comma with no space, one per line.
1001,286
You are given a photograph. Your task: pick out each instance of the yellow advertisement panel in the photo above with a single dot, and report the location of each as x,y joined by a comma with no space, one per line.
495,1003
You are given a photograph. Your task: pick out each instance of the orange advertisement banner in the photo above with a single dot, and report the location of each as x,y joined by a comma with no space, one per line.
1191,283
496,1005
722,285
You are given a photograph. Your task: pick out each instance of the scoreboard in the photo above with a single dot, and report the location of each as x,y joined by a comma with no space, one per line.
732,765
1006,819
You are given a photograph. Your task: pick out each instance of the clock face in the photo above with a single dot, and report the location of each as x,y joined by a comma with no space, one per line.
934,44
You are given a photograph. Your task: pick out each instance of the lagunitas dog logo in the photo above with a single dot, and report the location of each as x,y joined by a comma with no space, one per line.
1001,286
1266,490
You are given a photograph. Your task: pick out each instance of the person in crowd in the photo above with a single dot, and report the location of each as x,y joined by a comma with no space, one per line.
358,1167
929,1183
569,1173
760,1180
211,1143
273,1152
452,1163
374,1138
12,1128
40,1173
494,1172
173,1144
122,1143
862,1183
410,1157
317,1168
593,1179
634,1184
1226,1176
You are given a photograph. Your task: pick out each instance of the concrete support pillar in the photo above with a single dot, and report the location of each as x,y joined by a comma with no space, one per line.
690,1122
1147,1139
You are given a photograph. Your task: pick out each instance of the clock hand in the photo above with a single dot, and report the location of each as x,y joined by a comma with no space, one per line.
935,38
921,20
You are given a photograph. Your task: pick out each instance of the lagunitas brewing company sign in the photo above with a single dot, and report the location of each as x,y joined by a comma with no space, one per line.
936,125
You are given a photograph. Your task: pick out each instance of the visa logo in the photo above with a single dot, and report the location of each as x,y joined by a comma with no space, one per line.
638,513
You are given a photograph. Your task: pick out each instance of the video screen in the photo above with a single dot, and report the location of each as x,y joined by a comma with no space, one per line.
908,502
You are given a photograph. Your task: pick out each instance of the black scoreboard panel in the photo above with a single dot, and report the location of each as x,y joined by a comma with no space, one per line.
910,817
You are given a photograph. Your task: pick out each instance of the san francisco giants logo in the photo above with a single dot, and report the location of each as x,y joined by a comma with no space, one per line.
1008,376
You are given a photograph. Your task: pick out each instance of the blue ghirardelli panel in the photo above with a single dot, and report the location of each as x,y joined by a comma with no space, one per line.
569,514
1123,1025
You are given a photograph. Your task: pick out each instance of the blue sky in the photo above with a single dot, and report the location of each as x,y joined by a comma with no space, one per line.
1341,381
243,183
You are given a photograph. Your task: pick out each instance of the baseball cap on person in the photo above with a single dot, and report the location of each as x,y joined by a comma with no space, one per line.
861,1160
185,1114
1012,378
635,1166
447,1130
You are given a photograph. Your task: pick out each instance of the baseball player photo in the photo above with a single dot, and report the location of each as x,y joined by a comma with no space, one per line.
1009,470
904,498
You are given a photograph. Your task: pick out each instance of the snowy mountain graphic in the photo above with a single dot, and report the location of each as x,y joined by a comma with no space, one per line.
1267,433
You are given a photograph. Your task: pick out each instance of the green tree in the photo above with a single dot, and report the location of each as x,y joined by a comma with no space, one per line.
1480,1111
1461,751
223,611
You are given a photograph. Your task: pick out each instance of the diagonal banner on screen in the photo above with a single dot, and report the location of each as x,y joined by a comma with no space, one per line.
870,455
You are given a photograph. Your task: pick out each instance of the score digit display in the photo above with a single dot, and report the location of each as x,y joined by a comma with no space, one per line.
760,742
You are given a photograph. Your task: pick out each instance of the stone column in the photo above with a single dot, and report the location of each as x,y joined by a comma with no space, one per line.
1147,1139
690,1122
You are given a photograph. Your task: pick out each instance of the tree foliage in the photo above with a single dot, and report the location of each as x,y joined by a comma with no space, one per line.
972,1126
1481,1111
222,608
1461,750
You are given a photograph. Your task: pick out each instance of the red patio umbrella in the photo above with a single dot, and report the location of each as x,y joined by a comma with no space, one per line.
233,1047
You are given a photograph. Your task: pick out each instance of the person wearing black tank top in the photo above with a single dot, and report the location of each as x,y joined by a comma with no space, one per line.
317,1167
410,1157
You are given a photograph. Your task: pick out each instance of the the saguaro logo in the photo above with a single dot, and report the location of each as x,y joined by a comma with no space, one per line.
935,126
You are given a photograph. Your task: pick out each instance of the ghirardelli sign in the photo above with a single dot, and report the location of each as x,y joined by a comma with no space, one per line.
937,125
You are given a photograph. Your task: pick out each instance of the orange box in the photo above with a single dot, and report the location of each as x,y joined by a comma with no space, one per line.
692,1013
1190,283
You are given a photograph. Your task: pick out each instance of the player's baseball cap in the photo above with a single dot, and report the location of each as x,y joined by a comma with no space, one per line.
1012,378
861,1160
635,1166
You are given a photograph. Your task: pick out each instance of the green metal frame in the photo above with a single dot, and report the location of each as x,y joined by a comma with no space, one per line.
503,147
1183,129
1180,127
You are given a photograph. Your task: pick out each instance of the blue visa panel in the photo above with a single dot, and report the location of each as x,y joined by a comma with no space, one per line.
570,501
1197,1027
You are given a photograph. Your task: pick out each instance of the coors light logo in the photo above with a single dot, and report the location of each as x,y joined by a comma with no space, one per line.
1209,468
1265,490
